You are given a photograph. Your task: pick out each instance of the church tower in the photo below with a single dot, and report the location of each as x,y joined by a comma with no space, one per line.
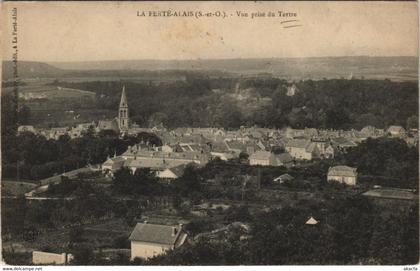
123,119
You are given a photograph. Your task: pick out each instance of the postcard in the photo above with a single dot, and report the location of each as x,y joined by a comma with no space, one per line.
209,134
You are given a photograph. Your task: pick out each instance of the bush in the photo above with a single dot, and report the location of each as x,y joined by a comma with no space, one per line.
121,242
83,254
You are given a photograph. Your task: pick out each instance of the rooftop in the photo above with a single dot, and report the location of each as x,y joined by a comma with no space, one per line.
155,233
392,193
342,171
261,155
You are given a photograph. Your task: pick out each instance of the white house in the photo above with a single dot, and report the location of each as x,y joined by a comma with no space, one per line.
302,149
263,158
26,128
342,174
292,90
396,131
149,240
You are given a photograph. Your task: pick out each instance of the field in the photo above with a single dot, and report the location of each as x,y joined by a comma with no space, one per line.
41,91
15,188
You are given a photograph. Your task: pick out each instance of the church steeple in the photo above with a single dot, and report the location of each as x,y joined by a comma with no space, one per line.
123,102
123,119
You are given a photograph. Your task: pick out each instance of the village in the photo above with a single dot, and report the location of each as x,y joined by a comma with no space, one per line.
276,162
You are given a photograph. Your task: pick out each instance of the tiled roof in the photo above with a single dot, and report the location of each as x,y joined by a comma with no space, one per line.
170,155
261,155
342,171
113,160
147,163
391,193
154,233
178,170
298,143
343,142
235,144
395,128
284,158
219,147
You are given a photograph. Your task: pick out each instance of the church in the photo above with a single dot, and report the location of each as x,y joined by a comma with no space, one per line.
120,124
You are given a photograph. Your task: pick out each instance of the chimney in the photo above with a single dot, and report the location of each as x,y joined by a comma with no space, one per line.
174,231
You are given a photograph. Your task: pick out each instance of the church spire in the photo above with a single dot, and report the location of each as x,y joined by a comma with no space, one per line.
123,117
123,102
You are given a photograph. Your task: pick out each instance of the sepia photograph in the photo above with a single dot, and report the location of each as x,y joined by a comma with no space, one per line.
209,134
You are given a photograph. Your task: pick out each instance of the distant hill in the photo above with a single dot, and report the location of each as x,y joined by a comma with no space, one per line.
394,68
30,69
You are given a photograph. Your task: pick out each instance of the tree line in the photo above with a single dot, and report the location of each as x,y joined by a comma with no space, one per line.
32,156
205,102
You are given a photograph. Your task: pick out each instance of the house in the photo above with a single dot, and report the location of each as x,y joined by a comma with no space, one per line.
342,143
26,128
329,152
235,146
168,148
311,221
176,157
371,131
172,173
220,132
80,129
248,147
294,133
220,150
108,125
321,144
292,90
86,126
392,193
113,164
310,132
283,178
75,132
155,165
396,131
284,159
159,161
55,133
342,174
302,149
149,240
263,158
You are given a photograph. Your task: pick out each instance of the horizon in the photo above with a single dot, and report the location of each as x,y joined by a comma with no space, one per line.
217,59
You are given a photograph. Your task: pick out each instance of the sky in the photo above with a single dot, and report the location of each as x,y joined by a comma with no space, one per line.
89,31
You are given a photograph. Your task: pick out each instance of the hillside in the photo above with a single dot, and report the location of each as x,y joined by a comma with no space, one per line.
394,68
30,69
